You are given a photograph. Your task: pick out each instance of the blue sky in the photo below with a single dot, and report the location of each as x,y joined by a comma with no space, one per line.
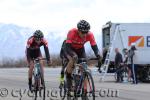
61,15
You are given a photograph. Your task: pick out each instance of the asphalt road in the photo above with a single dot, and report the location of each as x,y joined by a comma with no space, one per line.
14,86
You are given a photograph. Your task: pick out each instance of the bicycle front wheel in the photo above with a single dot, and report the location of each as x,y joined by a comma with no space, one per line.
42,88
35,88
63,90
88,87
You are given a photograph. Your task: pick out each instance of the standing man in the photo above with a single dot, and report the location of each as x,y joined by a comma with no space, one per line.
118,62
125,61
131,57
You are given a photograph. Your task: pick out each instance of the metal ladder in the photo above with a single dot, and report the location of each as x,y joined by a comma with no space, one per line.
104,67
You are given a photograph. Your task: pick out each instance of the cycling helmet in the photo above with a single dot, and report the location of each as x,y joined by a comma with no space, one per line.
38,34
83,26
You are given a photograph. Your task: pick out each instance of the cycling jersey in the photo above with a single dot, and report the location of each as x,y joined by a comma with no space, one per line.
34,45
33,48
77,42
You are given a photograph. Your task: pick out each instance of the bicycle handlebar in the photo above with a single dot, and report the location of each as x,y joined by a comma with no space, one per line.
87,59
37,59
94,58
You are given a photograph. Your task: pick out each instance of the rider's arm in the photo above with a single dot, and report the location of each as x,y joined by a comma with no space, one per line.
47,53
91,38
27,53
62,49
46,50
95,49
28,47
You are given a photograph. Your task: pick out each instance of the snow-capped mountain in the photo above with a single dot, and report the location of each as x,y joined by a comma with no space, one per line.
13,40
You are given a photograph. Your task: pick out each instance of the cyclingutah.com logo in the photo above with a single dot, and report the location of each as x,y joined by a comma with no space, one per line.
53,94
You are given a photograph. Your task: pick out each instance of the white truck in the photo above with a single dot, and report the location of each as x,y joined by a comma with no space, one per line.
122,35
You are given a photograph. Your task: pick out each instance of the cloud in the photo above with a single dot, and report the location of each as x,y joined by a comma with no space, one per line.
62,15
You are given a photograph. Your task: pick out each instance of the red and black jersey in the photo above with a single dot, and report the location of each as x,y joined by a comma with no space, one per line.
77,42
74,42
32,44
33,47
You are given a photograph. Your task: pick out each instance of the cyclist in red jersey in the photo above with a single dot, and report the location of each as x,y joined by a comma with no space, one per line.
74,46
33,51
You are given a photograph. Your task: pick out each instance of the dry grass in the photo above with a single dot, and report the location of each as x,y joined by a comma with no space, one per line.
21,62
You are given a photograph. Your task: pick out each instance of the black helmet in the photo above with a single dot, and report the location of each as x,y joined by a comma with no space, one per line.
83,26
38,34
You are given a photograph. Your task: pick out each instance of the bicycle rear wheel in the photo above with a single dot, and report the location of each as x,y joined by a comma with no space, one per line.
88,91
35,88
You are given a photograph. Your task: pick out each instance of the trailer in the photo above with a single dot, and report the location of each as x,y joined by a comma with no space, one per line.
122,35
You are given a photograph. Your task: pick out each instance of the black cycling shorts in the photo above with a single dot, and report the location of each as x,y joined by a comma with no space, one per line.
79,52
32,54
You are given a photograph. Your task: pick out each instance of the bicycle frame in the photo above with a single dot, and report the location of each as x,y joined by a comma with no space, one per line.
37,69
78,83
83,67
38,78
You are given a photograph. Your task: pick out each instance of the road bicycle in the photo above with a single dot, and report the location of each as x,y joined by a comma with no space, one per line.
82,82
38,80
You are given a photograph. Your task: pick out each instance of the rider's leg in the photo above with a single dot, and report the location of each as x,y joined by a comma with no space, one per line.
82,54
62,74
29,56
64,64
69,69
31,64
62,71
42,70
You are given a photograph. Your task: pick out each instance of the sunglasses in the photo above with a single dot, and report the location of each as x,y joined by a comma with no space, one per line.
38,39
84,32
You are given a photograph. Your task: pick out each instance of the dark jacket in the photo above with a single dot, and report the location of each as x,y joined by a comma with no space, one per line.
118,59
131,53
